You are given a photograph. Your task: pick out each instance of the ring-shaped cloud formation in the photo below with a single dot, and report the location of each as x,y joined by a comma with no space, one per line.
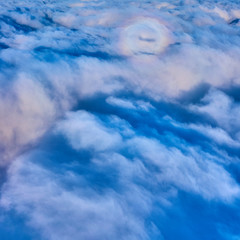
144,36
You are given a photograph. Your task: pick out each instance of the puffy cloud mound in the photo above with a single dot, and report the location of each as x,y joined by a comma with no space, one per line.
119,120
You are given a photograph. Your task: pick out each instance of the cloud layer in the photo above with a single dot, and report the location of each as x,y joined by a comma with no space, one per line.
119,120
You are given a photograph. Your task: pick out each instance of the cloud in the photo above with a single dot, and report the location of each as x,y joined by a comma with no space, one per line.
222,109
130,168
31,112
119,120
145,37
60,213
83,132
165,70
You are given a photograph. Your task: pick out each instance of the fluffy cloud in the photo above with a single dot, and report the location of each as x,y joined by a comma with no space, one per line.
222,109
83,132
62,213
114,206
119,119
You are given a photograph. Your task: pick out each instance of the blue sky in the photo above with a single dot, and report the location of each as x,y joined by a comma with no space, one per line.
119,120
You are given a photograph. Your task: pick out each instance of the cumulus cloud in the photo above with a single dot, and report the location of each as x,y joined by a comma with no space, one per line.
83,132
222,109
62,213
26,112
133,165
189,170
119,119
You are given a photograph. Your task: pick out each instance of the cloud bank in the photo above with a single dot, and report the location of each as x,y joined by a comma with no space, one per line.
119,120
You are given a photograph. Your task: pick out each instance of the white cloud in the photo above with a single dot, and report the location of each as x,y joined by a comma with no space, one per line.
222,109
84,132
26,112
192,171
60,213
187,168
133,56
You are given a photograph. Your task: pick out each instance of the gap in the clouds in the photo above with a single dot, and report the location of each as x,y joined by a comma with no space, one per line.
152,123
233,91
13,224
192,217
45,54
76,52
181,114
3,46
231,151
3,177
234,169
234,21
195,95
6,67
48,20
55,154
18,27
98,104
